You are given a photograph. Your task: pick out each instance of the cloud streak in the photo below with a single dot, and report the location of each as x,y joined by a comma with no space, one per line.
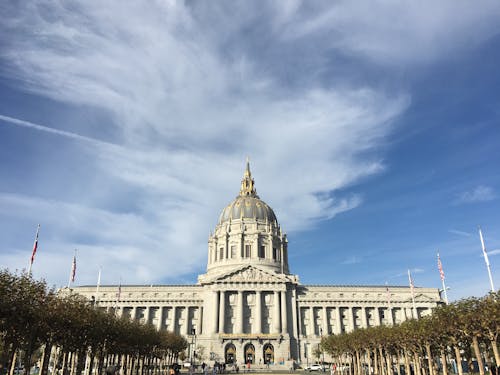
190,92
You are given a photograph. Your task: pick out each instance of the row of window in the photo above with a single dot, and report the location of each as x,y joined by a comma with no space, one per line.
246,253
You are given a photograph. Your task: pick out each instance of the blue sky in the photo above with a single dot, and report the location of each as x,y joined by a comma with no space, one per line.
373,130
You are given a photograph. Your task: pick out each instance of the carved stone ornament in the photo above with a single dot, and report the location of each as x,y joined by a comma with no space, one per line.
249,274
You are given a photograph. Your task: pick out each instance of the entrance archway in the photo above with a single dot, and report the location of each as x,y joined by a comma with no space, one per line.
230,354
268,354
249,353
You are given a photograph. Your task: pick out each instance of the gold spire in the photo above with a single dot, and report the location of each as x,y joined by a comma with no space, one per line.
248,184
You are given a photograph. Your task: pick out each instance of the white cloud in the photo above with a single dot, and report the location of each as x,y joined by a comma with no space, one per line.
393,33
478,194
186,108
460,232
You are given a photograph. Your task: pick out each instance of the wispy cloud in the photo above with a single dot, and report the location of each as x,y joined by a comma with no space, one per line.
460,232
494,252
478,194
190,90
351,260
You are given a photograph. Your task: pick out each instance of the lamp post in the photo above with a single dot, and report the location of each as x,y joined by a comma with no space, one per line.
193,348
322,352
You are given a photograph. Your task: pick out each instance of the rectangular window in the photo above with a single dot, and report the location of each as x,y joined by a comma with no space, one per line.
248,251
275,253
221,253
262,252
233,251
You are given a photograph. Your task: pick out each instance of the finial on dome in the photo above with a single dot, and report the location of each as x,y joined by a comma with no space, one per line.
248,184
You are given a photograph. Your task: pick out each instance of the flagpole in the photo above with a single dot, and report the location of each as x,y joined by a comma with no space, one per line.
73,269
486,260
412,286
35,246
98,285
441,275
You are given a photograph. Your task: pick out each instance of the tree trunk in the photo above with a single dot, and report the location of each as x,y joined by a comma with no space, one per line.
458,359
444,363
429,358
56,360
381,361
63,364
407,363
388,359
44,365
376,370
416,361
494,347
13,362
477,352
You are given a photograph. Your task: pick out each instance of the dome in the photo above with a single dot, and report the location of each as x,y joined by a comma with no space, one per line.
247,204
247,207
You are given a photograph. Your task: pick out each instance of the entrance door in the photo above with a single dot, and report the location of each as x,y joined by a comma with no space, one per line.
249,353
230,354
268,354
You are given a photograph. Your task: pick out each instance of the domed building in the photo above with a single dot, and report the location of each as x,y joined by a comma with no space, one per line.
247,307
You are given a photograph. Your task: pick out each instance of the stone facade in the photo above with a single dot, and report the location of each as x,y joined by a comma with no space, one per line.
248,307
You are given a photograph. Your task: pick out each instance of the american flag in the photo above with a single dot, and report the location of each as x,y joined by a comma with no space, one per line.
388,294
73,269
35,245
440,268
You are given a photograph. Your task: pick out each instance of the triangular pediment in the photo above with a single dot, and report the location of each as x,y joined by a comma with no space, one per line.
248,274
423,298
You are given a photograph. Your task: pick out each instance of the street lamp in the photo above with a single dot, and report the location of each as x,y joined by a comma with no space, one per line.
193,347
322,352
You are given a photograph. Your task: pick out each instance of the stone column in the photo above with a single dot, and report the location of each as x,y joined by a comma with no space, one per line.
352,319
258,312
133,313
215,311
147,314
284,312
294,315
222,311
338,321
174,320
390,318
199,329
326,330
159,324
377,316
186,322
364,320
312,323
239,313
276,312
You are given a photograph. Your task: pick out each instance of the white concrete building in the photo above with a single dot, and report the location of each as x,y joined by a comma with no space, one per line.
248,307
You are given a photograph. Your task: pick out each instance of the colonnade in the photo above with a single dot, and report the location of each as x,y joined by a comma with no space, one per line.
277,308
179,320
348,318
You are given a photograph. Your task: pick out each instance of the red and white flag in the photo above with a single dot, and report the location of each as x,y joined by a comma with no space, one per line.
73,269
440,268
35,245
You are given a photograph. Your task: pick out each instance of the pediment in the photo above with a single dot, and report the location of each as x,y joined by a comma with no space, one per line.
248,274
